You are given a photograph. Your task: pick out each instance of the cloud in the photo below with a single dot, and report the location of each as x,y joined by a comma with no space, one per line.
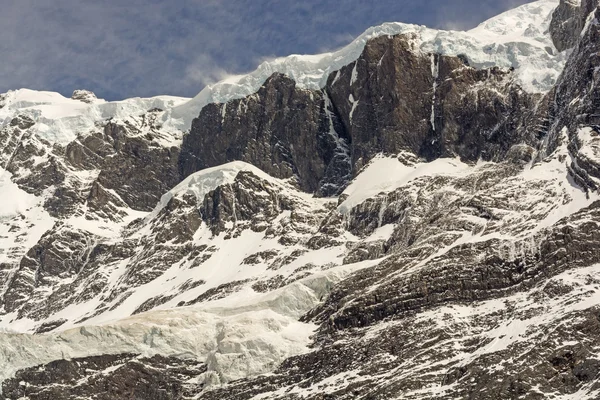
148,47
205,71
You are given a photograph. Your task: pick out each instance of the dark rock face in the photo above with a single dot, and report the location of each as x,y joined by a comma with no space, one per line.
123,165
62,255
392,99
579,80
566,24
84,95
571,119
385,98
396,99
137,170
568,20
487,276
107,377
48,260
587,6
248,200
285,131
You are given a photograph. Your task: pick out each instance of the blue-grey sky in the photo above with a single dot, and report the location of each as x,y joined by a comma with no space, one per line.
121,49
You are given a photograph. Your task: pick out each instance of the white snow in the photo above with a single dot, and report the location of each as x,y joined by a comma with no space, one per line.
589,143
202,182
354,74
435,72
384,232
21,210
385,174
354,105
235,346
14,200
517,38
23,221
60,119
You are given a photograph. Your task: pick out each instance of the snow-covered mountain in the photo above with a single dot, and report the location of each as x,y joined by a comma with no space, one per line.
518,38
413,216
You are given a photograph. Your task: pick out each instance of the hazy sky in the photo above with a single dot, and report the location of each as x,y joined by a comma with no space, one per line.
122,49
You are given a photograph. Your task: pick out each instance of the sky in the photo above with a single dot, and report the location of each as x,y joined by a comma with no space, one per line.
121,49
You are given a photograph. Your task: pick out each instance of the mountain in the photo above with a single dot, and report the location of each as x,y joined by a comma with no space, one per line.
414,216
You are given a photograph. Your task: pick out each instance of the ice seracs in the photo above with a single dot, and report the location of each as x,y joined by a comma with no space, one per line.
59,119
238,337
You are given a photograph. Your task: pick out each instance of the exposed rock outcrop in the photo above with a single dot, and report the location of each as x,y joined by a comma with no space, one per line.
123,376
568,21
84,95
567,24
285,131
393,98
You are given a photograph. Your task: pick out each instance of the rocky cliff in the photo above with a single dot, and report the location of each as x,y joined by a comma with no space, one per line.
421,224
394,98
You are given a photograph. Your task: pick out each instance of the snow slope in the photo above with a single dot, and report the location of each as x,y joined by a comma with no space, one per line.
23,221
385,174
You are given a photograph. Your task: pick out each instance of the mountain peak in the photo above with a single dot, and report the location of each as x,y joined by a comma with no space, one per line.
518,38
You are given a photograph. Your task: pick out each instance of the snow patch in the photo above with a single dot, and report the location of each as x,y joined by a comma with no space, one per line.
386,174
354,76
435,72
354,105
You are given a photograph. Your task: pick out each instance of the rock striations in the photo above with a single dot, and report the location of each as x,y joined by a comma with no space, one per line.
422,224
